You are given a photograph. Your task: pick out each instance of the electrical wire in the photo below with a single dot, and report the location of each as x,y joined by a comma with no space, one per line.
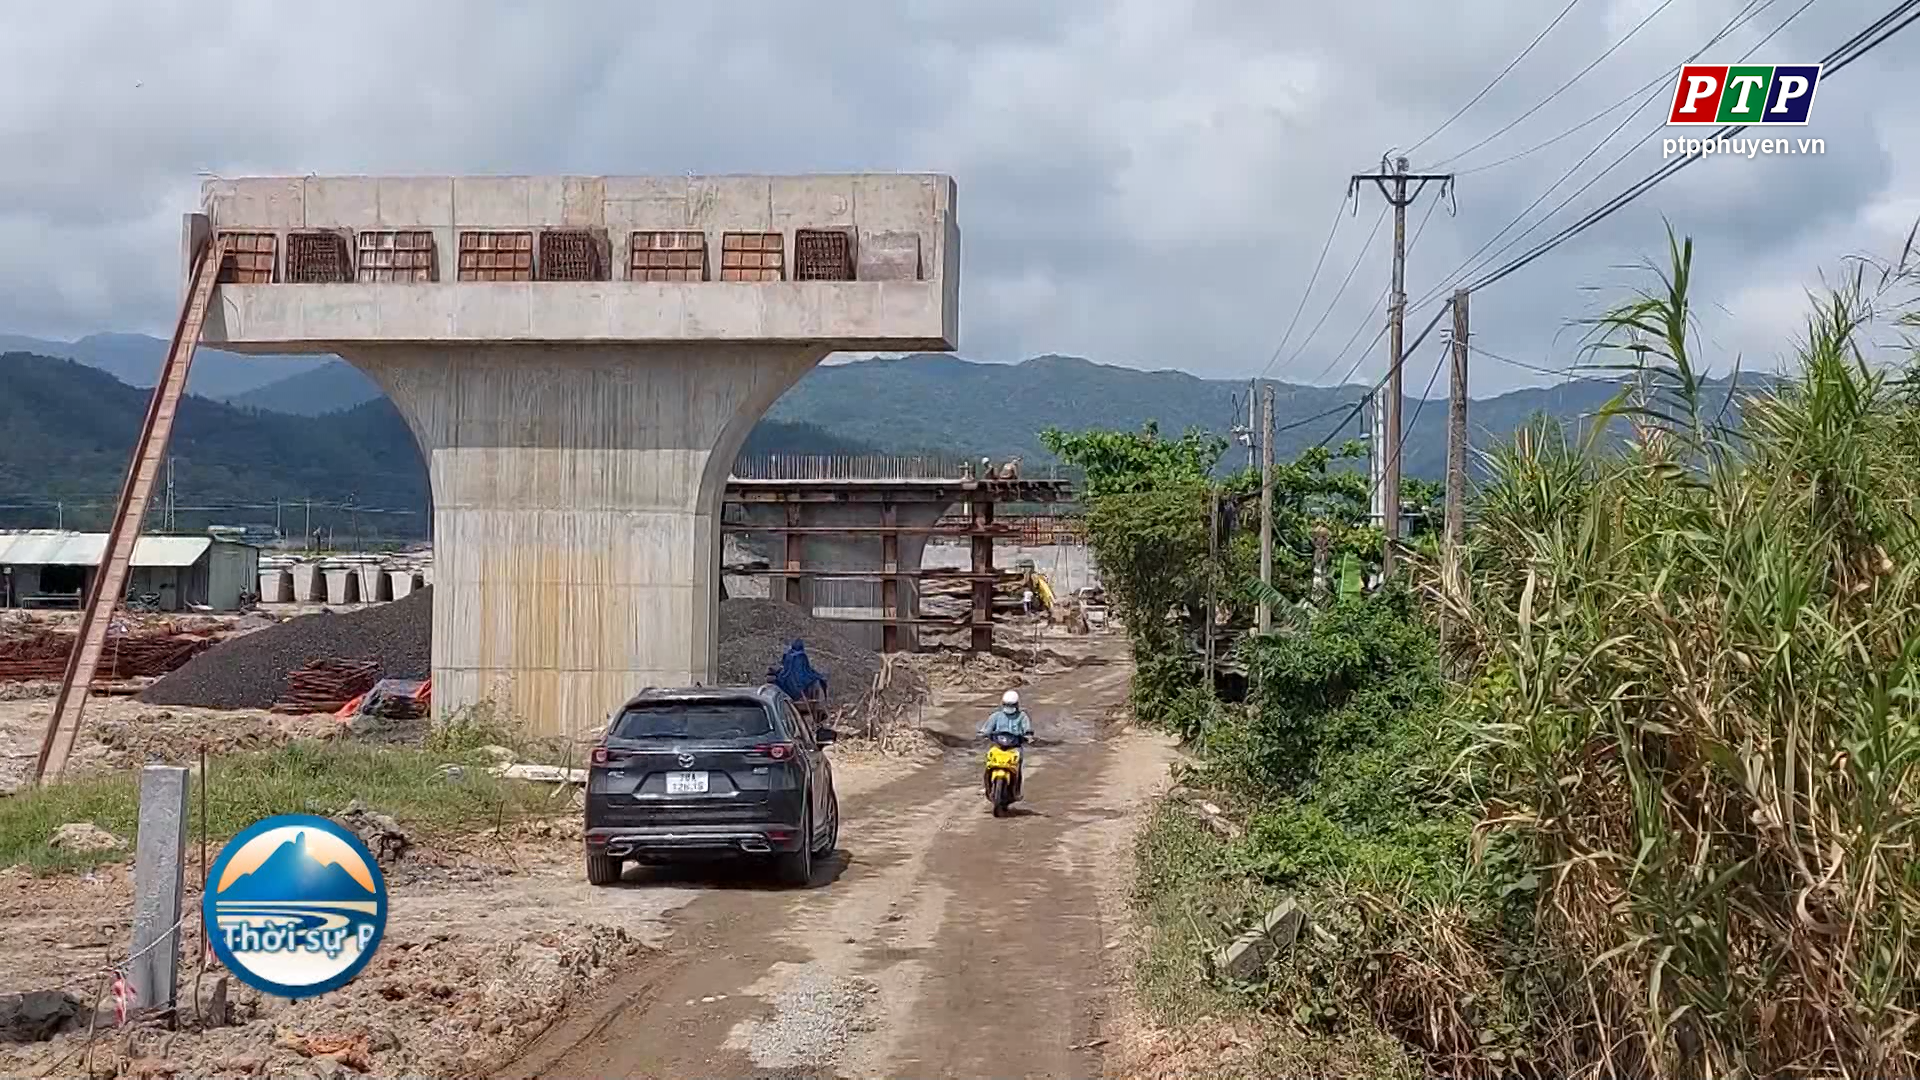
1404,353
1857,46
1740,19
1543,102
1401,443
1357,330
1338,213
1509,361
1515,62
1475,261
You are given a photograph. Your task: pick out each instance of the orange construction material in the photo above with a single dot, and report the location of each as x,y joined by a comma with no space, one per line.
110,577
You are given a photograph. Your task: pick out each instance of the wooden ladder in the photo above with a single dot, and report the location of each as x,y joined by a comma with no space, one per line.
110,577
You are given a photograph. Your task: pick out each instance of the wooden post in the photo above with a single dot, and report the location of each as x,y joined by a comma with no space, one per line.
792,557
983,583
889,585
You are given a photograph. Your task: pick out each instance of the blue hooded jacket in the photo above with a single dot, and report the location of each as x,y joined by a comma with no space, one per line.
797,674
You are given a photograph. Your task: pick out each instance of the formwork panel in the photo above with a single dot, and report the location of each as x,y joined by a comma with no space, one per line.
822,255
570,255
249,259
667,256
319,257
753,256
496,256
397,255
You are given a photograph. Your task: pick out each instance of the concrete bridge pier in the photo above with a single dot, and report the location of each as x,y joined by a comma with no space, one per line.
577,493
580,359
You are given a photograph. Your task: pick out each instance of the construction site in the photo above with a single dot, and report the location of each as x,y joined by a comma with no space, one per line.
440,701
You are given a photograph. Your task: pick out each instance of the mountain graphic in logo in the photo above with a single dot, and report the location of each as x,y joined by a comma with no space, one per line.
292,873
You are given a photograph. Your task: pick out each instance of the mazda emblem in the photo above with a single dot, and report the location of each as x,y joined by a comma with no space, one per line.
686,761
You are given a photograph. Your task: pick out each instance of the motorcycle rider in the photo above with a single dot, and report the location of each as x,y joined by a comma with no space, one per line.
1011,719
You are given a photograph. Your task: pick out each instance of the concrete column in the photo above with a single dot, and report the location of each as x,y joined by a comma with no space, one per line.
159,869
576,501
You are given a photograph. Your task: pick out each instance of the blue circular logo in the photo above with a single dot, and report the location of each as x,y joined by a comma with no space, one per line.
295,905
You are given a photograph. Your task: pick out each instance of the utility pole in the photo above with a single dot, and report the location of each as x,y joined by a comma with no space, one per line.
1213,568
1253,387
1266,502
1457,423
169,513
1399,199
1456,467
1376,457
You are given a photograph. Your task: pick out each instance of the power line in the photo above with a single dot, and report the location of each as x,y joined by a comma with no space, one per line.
1740,19
1357,330
1543,102
1409,351
1835,62
1541,36
1509,361
1474,260
1338,213
1445,355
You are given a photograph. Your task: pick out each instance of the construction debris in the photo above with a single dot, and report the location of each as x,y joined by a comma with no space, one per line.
251,671
1251,952
382,835
326,686
40,653
82,837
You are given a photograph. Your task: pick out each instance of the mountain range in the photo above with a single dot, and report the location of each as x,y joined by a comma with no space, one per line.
264,436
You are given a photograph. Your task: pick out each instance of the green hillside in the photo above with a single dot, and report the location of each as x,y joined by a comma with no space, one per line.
68,430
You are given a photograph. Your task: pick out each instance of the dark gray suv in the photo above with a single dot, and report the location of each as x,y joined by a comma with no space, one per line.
698,773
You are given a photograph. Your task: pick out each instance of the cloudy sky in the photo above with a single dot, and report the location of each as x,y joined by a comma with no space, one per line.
1142,182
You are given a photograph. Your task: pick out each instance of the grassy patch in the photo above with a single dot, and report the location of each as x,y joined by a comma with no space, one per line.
301,777
1192,898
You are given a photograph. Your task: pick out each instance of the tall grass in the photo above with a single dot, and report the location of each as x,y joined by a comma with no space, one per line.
1697,711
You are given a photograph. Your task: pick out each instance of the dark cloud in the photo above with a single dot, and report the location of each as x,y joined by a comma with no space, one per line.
1144,181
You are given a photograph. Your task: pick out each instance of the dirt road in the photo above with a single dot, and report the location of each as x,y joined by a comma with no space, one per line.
940,942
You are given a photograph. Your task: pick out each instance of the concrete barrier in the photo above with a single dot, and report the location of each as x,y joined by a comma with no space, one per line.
343,586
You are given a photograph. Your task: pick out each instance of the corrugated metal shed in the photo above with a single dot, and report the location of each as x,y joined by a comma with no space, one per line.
48,547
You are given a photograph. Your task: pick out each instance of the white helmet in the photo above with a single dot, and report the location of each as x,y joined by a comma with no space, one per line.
1010,699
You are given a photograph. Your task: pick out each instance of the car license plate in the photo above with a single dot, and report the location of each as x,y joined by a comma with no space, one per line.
686,783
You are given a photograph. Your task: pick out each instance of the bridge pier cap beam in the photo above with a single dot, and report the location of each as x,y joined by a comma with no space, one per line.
579,432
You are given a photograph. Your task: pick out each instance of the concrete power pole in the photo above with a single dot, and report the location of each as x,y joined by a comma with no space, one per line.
1456,467
1457,424
1397,196
1266,502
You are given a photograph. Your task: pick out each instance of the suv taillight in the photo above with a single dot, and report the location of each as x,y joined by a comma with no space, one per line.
599,755
779,751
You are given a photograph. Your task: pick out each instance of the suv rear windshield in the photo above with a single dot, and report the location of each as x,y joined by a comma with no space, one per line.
704,720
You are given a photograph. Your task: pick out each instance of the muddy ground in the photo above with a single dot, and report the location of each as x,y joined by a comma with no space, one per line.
938,942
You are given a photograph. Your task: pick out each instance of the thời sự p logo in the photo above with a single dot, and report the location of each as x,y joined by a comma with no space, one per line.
295,905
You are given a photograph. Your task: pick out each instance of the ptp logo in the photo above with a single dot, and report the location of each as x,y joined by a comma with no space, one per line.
1744,94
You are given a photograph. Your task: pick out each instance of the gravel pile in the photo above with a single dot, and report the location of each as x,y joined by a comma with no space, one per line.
250,671
754,634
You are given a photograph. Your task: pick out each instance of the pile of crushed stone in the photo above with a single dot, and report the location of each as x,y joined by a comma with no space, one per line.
250,671
755,633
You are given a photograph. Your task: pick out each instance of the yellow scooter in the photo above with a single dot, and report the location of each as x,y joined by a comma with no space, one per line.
1003,771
